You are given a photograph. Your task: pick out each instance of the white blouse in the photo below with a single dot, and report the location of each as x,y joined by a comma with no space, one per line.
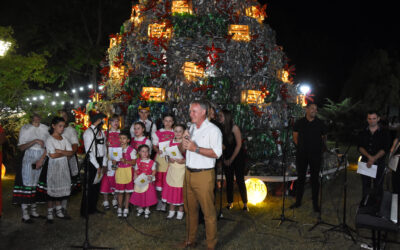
71,135
30,133
52,144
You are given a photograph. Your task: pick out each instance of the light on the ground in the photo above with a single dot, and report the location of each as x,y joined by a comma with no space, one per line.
256,190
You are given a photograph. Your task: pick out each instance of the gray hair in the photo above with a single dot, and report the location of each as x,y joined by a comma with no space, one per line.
204,104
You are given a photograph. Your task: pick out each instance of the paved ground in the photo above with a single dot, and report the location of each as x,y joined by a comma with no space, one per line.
253,230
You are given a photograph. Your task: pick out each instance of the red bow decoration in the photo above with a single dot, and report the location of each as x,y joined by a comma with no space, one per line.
256,111
144,96
261,11
291,70
203,88
105,71
213,54
160,41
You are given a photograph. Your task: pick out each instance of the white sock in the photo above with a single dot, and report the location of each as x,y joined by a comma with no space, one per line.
25,214
33,210
59,211
50,214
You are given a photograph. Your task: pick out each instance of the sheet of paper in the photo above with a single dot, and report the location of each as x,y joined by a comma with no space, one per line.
98,177
142,180
364,170
174,153
162,146
115,153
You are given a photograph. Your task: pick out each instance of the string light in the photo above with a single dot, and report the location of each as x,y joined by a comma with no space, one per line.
34,98
81,88
73,90
57,94
90,86
27,99
80,101
53,103
62,103
41,97
72,102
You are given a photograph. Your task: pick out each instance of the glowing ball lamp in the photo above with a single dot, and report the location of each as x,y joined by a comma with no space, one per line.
256,190
3,171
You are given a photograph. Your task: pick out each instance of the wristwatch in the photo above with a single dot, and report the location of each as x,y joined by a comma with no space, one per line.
197,150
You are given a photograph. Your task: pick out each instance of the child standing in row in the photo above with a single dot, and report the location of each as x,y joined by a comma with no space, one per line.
123,174
58,173
146,196
139,139
162,135
108,181
173,186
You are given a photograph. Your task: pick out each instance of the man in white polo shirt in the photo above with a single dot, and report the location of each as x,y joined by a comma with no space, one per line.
203,144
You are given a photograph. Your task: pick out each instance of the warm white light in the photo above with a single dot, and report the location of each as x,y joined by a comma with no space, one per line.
30,103
256,190
34,98
4,46
53,103
62,103
90,86
80,101
101,87
72,102
73,90
89,100
304,89
81,88
65,92
41,97
57,94
27,99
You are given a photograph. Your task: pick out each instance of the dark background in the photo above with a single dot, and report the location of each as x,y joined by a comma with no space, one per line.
323,39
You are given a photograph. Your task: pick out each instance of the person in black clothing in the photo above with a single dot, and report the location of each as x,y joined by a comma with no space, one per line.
309,135
373,144
395,150
96,162
233,157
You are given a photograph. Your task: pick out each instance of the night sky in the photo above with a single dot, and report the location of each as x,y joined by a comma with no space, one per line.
323,39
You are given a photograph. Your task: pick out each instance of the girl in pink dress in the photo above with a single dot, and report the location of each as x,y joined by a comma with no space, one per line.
139,138
144,197
173,186
162,135
108,182
123,174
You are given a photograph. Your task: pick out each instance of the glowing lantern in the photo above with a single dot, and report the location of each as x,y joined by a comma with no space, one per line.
3,171
115,40
251,97
284,75
192,71
117,72
154,94
184,6
239,32
255,12
256,190
135,16
301,100
157,30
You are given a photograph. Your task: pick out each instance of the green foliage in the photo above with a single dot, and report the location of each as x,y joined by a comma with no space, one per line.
342,118
375,81
187,25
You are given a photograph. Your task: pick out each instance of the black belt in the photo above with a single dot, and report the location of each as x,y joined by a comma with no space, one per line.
195,170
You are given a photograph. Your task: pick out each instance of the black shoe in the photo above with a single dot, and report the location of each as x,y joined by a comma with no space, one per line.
229,206
28,221
295,205
245,208
49,221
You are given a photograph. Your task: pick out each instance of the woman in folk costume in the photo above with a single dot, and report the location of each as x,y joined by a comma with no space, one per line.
58,172
139,136
173,186
162,135
31,140
72,136
97,160
108,182
144,196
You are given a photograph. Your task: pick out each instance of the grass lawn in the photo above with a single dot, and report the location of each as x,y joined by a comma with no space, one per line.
252,230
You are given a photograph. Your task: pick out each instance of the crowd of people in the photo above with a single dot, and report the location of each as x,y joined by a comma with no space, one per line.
138,167
135,167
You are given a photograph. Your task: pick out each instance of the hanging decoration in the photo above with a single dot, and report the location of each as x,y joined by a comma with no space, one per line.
180,7
241,33
117,72
193,71
257,12
252,97
158,30
153,94
136,17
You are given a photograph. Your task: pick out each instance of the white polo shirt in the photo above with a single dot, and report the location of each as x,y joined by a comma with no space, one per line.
207,136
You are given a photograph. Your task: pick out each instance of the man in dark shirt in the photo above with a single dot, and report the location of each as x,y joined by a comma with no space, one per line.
309,135
373,144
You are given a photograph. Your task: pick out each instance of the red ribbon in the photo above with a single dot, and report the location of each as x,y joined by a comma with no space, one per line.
203,88
256,111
